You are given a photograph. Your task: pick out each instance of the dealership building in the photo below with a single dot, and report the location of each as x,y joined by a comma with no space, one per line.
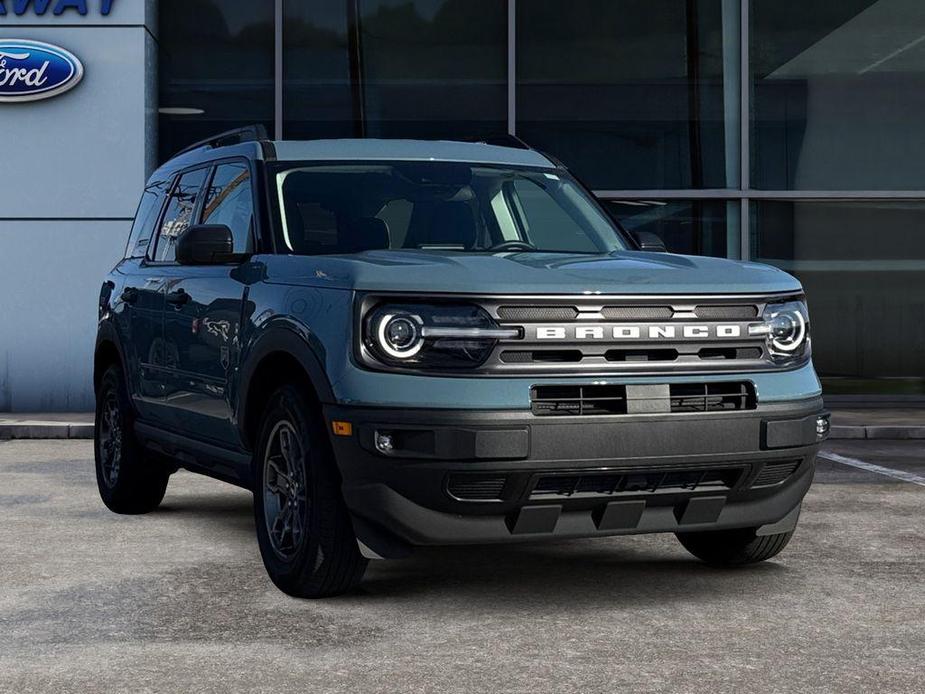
789,132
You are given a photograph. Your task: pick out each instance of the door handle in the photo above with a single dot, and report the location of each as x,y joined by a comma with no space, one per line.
178,298
129,295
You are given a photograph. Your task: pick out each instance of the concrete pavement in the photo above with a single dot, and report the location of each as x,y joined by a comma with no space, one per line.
178,600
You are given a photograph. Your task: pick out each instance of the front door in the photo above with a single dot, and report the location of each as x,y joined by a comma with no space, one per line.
203,313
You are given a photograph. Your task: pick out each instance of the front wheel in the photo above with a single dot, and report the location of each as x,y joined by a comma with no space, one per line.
734,547
304,531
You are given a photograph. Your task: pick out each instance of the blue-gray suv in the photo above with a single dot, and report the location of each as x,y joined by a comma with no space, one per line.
401,343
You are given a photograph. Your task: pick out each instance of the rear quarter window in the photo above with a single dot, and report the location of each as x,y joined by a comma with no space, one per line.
143,228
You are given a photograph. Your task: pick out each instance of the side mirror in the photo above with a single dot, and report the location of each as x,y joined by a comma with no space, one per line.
206,244
649,242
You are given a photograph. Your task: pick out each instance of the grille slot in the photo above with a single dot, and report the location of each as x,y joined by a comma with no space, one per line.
578,400
541,356
641,355
583,400
596,484
712,397
476,487
637,312
737,312
720,353
775,472
538,313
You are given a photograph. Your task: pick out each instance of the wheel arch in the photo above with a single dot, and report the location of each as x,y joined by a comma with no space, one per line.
107,351
281,354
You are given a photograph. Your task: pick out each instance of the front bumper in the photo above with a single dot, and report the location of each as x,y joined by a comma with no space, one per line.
438,477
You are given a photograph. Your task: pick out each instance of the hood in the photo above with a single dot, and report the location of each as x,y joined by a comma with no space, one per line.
623,272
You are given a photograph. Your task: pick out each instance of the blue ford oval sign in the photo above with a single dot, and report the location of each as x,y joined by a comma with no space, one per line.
31,70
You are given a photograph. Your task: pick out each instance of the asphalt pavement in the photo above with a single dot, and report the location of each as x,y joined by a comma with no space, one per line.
178,600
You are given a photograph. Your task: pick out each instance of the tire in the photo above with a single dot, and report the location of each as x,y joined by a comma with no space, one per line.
304,530
734,547
129,481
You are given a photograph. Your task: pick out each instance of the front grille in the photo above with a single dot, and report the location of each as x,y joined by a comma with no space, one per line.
466,487
629,312
635,482
775,472
648,335
583,400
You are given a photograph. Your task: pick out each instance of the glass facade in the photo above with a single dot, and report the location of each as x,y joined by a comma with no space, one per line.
838,95
215,69
784,131
634,93
863,267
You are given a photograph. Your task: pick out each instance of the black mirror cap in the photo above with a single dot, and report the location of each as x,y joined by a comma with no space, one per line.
649,242
206,244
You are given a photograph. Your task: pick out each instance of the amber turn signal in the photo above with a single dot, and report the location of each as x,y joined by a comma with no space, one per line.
342,428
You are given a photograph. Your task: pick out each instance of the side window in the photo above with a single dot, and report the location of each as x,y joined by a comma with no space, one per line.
231,202
179,214
149,209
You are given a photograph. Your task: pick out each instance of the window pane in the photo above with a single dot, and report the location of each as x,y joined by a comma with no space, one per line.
230,202
863,267
318,97
692,227
216,69
179,214
637,94
838,94
418,68
149,209
433,68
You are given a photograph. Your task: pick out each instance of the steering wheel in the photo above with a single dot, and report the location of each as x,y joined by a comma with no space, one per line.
512,246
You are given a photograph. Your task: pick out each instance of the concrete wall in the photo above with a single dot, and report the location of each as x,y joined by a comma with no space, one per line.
71,172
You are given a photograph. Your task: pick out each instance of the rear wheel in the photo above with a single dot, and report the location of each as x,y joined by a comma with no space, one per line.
304,531
734,547
129,482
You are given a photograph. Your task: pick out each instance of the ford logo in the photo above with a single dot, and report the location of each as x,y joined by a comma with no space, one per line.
31,70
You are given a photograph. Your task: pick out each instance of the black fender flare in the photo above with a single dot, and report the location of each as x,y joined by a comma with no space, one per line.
292,339
107,333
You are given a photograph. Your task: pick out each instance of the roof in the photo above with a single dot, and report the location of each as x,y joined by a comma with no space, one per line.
408,150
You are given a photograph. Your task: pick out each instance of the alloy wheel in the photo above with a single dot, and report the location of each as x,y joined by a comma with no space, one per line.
110,439
284,494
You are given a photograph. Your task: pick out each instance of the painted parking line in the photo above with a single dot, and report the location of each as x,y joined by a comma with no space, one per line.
870,467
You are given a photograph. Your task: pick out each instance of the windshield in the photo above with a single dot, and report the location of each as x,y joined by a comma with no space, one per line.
437,206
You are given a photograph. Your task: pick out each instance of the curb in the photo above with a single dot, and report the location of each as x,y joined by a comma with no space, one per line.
75,430
879,433
46,430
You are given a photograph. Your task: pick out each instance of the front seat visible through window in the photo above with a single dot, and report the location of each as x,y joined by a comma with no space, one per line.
363,234
449,224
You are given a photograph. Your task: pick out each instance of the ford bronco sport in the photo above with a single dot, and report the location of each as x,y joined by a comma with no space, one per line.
400,343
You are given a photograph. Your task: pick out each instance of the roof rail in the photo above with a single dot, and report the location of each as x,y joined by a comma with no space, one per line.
499,139
249,133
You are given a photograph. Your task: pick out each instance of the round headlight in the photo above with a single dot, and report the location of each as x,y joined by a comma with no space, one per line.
399,335
788,330
786,326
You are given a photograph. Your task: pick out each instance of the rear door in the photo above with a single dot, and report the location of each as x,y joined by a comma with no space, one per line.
139,305
203,313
